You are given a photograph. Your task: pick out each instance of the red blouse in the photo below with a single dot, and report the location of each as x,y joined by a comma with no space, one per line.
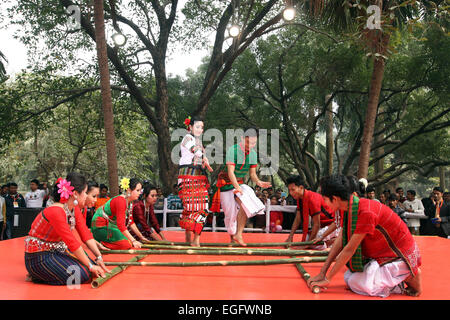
118,207
387,236
51,225
312,204
140,217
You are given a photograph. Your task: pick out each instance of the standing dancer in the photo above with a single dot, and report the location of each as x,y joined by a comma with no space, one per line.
52,253
193,182
374,243
240,160
110,221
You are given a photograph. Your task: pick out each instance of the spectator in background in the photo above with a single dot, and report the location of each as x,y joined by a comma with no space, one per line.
43,186
159,204
265,193
387,193
276,217
4,190
400,194
371,193
35,197
2,217
257,189
413,210
446,197
174,202
13,200
283,201
393,204
383,199
102,197
437,212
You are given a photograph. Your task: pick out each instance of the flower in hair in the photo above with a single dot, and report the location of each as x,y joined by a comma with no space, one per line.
187,121
64,189
125,183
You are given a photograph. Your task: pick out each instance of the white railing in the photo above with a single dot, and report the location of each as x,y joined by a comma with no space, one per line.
291,209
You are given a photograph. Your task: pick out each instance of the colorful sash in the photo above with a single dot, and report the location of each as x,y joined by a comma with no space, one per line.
357,261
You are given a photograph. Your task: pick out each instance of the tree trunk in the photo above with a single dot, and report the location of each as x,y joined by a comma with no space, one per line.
442,177
329,135
372,108
108,116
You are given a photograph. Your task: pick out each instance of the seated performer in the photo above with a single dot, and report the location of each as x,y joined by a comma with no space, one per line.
143,213
240,159
52,253
193,182
309,204
110,221
375,243
357,188
87,208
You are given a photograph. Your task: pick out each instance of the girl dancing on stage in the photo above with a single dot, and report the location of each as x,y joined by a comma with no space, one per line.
193,182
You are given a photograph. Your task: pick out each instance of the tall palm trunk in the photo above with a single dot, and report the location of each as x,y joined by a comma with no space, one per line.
108,116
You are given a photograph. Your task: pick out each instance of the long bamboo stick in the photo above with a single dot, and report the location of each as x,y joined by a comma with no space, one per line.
100,281
254,252
219,263
177,247
229,244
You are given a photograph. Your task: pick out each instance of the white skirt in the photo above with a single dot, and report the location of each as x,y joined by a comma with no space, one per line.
378,281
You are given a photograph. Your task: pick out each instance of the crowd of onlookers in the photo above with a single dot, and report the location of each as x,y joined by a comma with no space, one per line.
419,215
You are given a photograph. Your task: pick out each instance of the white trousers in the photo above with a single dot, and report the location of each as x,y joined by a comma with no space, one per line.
230,209
378,281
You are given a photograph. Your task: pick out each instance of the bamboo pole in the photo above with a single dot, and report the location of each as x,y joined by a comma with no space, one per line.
254,252
306,276
230,244
100,281
219,263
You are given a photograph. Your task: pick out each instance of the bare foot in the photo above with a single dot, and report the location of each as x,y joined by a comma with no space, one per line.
411,292
195,244
239,240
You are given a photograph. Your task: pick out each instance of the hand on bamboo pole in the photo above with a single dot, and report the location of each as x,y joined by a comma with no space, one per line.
319,281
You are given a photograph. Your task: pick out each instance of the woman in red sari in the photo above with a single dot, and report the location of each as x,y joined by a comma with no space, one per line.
374,243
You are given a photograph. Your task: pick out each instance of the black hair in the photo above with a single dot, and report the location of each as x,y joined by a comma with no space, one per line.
13,184
250,132
399,188
335,185
36,181
438,189
5,185
413,192
356,186
387,190
194,119
77,181
103,186
392,197
134,182
297,180
370,189
147,189
446,192
273,196
91,185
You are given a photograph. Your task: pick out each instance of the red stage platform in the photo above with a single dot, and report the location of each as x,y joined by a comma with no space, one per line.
276,282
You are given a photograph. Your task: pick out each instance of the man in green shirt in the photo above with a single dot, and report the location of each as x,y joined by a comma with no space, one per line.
240,160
